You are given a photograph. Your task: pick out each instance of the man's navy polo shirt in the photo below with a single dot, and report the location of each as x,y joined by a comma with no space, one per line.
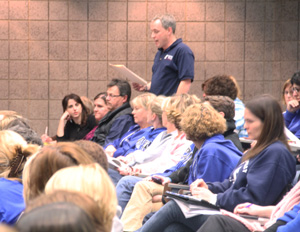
170,67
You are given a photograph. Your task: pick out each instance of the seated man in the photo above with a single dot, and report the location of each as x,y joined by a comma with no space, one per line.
118,121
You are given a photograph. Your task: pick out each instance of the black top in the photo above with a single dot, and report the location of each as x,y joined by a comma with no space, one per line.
74,131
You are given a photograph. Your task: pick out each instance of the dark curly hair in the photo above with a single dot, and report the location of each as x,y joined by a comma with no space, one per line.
220,85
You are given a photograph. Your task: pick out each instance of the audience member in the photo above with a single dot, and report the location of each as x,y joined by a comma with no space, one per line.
99,187
14,152
225,106
268,161
20,126
118,121
6,116
292,114
287,92
79,123
100,110
95,151
140,135
227,86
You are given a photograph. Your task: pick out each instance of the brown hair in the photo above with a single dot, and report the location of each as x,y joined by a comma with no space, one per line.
46,162
268,110
222,104
285,85
95,151
76,98
220,85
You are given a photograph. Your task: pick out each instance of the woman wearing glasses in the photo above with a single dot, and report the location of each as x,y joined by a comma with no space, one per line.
292,114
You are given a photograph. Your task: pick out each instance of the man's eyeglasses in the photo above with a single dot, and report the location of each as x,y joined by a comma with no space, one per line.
112,95
294,89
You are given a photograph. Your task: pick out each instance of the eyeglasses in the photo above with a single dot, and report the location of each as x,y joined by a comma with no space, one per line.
112,95
294,89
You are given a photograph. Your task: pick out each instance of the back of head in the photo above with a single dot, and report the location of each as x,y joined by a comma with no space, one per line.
296,78
222,104
123,86
82,200
176,105
220,85
6,116
20,126
46,162
99,187
88,103
14,152
95,151
156,106
59,216
200,121
167,21
268,110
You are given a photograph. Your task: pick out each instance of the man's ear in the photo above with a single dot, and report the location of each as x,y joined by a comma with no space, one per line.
170,31
222,113
125,98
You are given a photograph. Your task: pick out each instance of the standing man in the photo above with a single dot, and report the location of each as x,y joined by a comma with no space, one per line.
173,68
119,118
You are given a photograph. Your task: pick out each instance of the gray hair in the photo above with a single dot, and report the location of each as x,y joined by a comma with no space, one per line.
167,21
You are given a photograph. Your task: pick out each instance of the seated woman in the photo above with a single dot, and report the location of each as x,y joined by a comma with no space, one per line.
75,122
285,212
292,113
139,136
14,152
214,160
99,187
100,110
261,176
287,92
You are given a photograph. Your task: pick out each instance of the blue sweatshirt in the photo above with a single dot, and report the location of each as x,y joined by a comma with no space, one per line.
11,200
260,180
292,122
215,160
135,139
292,218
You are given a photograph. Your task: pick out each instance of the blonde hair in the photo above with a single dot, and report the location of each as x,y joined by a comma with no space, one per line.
143,100
89,179
13,146
156,106
200,121
176,105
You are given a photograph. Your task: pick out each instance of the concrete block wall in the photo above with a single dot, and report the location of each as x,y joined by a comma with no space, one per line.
49,48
